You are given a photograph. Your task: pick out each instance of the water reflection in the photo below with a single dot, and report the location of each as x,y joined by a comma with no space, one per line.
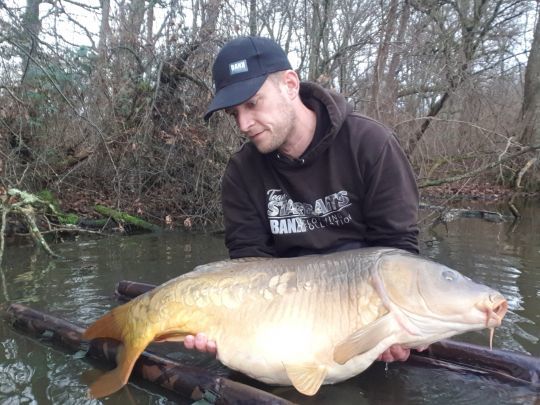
504,256
80,287
444,387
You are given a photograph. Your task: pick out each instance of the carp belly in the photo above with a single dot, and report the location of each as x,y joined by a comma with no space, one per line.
298,329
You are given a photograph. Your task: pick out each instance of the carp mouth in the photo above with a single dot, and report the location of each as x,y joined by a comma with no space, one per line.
494,307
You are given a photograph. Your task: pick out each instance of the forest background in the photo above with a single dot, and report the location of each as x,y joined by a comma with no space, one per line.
101,102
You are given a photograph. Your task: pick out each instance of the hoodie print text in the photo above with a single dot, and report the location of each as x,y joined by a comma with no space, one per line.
287,216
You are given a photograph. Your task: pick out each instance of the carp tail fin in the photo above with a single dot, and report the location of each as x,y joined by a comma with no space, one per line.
109,325
112,325
113,380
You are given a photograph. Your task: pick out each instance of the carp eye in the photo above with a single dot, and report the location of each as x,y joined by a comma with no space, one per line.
449,275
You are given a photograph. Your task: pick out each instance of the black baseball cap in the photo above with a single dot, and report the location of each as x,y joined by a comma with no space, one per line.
240,69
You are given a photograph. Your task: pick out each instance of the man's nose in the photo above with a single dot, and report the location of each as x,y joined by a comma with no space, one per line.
244,120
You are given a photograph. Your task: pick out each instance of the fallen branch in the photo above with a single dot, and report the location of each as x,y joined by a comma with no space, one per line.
34,210
476,172
451,214
453,355
29,215
523,170
124,218
25,205
191,382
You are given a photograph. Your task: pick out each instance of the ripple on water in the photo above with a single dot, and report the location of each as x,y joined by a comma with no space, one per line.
16,375
65,386
440,386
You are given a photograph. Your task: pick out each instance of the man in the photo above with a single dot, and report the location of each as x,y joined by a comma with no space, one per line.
315,177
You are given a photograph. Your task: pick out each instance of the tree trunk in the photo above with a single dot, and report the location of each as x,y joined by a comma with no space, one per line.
32,28
379,69
530,111
150,26
391,84
132,24
253,17
319,22
209,17
104,30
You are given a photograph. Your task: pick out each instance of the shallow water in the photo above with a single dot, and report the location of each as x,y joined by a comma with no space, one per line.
80,287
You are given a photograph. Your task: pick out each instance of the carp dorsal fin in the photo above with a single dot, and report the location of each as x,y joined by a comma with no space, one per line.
306,378
250,259
229,263
364,339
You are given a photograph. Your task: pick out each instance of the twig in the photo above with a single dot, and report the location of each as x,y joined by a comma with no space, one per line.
28,213
481,169
454,122
13,95
78,24
524,170
5,211
77,230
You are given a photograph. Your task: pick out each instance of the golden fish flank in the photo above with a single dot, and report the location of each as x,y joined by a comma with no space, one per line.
370,306
303,321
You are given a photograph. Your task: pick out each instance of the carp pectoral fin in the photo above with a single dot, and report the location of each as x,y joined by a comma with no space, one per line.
113,380
306,378
364,339
171,336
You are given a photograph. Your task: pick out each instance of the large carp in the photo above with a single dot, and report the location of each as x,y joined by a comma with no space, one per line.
303,321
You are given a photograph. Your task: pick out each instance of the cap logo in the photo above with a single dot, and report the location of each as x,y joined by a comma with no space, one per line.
238,67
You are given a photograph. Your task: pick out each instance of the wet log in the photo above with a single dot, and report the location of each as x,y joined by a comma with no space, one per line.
447,214
450,354
502,364
126,219
190,382
126,290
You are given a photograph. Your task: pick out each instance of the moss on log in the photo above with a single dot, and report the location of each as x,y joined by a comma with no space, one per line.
124,218
63,218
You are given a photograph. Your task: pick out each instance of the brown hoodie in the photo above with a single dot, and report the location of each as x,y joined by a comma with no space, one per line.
353,187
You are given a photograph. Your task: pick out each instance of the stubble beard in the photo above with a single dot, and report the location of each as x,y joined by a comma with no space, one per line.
282,131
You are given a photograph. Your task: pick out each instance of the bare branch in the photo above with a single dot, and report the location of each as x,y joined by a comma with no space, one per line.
476,172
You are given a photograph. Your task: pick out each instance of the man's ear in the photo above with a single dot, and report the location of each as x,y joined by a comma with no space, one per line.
292,82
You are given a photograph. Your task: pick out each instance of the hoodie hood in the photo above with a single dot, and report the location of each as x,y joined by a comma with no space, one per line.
331,108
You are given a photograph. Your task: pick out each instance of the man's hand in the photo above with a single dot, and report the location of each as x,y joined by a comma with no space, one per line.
201,343
394,353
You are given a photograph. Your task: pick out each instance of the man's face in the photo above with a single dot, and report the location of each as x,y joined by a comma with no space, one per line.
267,119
